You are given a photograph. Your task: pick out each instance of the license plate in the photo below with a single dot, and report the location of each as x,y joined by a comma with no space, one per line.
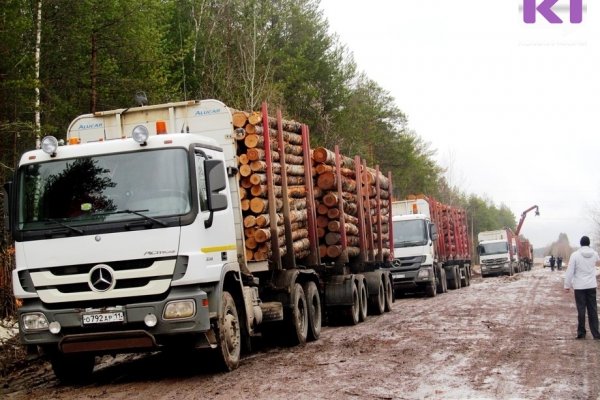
398,276
103,318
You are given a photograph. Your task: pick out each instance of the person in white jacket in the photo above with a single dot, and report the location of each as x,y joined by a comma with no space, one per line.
581,276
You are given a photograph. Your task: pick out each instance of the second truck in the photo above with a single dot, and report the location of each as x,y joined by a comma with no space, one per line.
431,246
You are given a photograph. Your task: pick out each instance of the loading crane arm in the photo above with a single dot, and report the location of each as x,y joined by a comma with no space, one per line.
523,215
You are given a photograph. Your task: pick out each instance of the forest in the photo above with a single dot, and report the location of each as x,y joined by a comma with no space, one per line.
62,58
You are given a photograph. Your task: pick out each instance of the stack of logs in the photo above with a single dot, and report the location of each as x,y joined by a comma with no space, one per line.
254,193
454,229
328,206
253,185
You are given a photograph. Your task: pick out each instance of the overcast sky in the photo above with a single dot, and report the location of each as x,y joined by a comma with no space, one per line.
510,108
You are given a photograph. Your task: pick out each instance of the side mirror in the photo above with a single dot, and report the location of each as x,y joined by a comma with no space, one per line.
215,182
434,232
480,249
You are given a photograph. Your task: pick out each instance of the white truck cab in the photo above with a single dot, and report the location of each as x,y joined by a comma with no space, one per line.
414,250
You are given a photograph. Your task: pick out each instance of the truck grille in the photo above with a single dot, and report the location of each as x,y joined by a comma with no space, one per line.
408,263
494,261
89,282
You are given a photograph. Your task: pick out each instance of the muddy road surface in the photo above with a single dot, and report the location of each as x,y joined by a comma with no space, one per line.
502,337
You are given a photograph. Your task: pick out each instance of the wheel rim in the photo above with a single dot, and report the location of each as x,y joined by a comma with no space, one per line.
231,331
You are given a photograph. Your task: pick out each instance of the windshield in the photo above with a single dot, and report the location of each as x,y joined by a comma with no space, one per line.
493,248
103,188
410,233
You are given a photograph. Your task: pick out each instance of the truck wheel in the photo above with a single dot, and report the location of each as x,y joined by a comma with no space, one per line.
297,317
389,292
352,312
444,280
73,368
431,289
363,298
313,300
377,301
452,279
467,281
229,340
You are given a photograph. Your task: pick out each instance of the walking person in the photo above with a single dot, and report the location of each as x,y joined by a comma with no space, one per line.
559,263
581,276
552,260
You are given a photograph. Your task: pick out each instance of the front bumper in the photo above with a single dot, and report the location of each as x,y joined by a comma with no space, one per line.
411,279
493,269
130,334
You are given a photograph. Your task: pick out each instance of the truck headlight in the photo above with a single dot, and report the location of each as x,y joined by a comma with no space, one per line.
180,309
49,145
140,134
424,273
34,322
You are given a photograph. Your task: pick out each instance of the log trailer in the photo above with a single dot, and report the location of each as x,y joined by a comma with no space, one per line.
431,246
192,225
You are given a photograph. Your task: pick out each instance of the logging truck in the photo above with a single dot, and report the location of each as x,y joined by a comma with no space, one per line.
431,246
498,252
192,225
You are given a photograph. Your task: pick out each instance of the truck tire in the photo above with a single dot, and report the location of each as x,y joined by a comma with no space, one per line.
453,279
389,292
297,317
444,281
377,300
313,300
229,336
465,281
363,298
73,368
431,289
352,312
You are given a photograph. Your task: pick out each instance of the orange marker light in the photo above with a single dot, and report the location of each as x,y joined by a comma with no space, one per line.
161,127
74,140
415,211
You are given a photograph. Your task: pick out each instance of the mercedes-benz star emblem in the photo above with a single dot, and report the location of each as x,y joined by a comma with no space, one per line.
102,278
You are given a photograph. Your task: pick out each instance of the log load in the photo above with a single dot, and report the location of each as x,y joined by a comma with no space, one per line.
336,213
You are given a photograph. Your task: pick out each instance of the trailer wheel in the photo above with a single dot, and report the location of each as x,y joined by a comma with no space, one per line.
378,300
389,292
443,282
352,312
229,337
453,279
313,300
363,298
465,281
297,317
73,368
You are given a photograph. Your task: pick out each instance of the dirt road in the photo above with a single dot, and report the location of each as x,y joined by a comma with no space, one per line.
505,337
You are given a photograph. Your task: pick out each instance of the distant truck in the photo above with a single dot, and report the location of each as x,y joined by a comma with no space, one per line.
431,247
498,252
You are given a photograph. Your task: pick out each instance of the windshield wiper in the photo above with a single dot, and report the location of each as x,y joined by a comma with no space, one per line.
135,212
77,230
